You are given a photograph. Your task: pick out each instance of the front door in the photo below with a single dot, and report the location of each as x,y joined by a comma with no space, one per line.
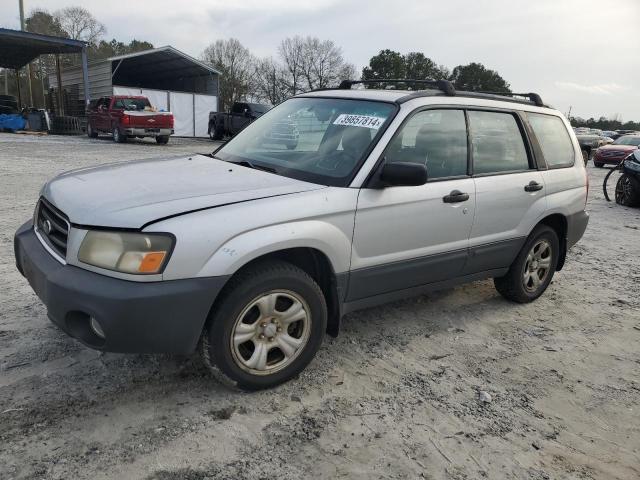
410,236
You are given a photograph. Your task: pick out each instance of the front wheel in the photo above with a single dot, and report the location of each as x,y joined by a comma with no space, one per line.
532,270
266,327
91,133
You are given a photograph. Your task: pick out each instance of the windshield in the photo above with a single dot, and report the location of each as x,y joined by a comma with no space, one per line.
319,140
131,103
630,140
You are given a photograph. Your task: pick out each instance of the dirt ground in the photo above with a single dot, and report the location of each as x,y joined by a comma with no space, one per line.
396,395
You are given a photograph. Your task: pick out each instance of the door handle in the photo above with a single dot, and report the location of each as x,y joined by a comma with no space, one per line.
455,196
533,187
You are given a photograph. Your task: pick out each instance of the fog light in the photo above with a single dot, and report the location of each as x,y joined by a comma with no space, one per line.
97,329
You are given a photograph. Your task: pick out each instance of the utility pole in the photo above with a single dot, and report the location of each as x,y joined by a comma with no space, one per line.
21,4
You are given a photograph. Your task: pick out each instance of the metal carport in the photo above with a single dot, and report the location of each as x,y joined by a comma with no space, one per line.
18,48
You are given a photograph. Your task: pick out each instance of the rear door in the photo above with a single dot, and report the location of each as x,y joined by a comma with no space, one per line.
510,191
410,236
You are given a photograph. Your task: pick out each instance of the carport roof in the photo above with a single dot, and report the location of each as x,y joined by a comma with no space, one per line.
163,60
17,48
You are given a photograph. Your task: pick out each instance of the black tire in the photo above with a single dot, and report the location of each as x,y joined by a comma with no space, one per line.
91,133
162,139
512,285
118,136
585,156
628,191
218,132
598,164
243,289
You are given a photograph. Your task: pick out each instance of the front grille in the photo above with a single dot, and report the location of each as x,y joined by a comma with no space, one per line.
53,227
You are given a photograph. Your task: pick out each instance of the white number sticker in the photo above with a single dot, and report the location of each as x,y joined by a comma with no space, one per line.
365,121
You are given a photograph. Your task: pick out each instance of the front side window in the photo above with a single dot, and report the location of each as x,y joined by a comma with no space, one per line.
319,140
434,138
553,138
497,143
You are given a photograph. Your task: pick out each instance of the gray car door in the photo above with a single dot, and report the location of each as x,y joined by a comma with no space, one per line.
510,195
410,236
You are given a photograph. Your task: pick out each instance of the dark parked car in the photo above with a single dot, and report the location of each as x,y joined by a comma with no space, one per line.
589,142
227,124
614,153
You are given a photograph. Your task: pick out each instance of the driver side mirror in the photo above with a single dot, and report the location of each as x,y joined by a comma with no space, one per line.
407,174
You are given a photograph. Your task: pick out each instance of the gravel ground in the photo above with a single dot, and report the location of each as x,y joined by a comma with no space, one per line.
396,395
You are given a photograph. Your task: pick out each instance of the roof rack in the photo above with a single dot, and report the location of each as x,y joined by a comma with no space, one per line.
534,97
444,85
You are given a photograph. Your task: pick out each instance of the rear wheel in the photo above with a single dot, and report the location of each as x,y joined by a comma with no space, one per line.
585,156
266,327
162,139
532,270
628,191
598,164
118,136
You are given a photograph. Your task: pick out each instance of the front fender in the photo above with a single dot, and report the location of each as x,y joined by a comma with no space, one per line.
243,248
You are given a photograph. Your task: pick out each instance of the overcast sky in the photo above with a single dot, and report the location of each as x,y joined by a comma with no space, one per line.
579,53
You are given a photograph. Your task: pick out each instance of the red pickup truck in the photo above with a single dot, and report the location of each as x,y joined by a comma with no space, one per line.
128,116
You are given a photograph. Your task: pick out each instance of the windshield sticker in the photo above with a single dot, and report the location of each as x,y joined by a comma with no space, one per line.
365,121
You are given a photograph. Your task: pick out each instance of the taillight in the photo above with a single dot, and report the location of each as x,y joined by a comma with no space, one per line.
126,119
171,121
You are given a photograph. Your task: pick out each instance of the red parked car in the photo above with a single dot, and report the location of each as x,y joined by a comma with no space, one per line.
128,116
617,151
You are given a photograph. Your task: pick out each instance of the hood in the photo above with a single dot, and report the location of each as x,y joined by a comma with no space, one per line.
132,194
621,148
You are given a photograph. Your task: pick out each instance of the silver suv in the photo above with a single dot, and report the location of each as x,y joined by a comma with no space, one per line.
255,252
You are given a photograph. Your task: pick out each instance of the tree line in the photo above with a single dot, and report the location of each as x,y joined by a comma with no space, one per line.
308,63
604,123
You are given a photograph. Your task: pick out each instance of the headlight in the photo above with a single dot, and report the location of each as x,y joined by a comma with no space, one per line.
137,253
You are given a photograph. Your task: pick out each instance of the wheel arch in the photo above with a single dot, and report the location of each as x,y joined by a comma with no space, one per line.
558,222
318,266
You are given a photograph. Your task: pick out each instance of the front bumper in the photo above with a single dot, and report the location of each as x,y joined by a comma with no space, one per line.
148,132
136,317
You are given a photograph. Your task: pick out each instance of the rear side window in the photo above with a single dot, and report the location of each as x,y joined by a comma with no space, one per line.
553,138
497,143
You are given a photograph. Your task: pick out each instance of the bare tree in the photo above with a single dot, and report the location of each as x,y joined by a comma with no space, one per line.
313,63
291,52
269,81
80,24
235,64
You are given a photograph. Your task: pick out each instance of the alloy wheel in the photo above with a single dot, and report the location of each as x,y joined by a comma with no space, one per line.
270,332
537,265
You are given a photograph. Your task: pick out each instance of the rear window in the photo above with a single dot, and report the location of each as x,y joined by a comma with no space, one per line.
553,138
131,103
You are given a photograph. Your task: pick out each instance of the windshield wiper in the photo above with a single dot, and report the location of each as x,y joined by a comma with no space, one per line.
246,163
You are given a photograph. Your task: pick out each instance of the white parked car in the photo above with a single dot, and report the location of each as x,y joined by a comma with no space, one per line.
257,251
